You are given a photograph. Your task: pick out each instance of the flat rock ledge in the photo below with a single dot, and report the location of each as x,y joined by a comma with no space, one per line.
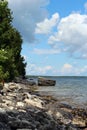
24,109
46,82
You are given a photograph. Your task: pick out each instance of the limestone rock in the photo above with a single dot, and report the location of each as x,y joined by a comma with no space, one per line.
46,82
20,104
24,81
36,103
21,109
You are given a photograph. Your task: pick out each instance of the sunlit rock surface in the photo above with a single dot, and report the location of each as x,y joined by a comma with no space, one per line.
24,109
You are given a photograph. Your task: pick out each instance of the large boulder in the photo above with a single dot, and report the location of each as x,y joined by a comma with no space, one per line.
46,82
24,81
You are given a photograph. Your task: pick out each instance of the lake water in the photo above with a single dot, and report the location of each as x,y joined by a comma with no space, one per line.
71,90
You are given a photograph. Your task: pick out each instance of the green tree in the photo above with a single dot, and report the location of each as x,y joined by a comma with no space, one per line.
3,60
11,62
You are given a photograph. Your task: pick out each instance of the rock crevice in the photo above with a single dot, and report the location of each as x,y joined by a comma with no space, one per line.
24,109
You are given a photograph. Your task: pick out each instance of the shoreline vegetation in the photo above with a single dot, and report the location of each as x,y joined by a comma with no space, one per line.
22,107
12,63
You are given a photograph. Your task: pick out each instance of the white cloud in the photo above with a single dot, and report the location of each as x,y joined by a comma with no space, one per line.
27,14
45,27
46,51
33,69
72,35
66,69
69,69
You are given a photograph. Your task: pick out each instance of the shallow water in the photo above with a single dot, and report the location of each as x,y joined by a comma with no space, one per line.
72,90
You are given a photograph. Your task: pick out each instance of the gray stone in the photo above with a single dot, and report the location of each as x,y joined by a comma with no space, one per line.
20,109
46,82
3,126
24,129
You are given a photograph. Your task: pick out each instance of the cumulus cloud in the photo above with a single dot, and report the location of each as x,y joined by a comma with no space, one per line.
45,27
72,35
34,69
69,69
66,69
26,15
46,51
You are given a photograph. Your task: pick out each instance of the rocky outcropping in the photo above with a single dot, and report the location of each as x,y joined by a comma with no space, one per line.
23,109
24,81
46,82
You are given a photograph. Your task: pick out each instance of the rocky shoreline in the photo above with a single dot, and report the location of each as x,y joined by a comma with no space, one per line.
23,108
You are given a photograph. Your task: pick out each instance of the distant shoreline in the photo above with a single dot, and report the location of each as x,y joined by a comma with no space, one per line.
54,76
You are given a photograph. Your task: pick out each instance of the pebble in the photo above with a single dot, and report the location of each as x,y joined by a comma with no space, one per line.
20,110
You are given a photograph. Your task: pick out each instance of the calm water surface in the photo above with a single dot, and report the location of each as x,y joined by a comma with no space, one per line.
72,90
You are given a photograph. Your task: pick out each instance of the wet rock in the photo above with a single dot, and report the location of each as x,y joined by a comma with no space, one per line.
20,109
61,116
79,117
46,82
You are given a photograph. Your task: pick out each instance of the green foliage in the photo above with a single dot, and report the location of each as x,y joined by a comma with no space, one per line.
3,75
11,62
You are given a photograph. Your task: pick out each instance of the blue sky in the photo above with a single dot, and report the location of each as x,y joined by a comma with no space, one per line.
54,35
